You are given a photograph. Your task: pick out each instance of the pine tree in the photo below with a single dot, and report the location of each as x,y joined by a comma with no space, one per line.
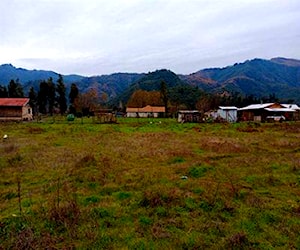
61,99
3,91
42,97
15,89
33,100
164,95
51,95
74,92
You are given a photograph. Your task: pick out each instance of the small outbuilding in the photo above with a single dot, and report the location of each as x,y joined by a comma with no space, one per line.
189,116
147,111
227,113
15,109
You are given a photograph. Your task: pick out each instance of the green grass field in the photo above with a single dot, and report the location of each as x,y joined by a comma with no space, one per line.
149,184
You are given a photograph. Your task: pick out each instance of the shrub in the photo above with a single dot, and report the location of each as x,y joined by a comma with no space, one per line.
197,171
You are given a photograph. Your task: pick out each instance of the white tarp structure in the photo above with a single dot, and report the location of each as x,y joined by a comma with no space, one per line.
228,113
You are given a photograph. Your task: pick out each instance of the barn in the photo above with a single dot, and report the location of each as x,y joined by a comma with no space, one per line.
15,109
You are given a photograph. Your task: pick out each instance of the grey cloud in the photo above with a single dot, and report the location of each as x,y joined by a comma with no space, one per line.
99,37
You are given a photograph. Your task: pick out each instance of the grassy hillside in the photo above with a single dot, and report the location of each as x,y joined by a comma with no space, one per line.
149,184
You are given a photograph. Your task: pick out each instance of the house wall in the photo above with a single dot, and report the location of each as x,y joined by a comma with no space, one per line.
142,114
228,115
16,113
27,113
189,117
10,112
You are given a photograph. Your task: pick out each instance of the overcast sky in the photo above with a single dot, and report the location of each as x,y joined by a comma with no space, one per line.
94,37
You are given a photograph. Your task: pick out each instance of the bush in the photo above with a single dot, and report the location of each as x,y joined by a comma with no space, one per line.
197,171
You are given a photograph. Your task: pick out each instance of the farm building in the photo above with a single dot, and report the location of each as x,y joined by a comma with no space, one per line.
148,111
268,112
104,116
16,109
189,116
228,113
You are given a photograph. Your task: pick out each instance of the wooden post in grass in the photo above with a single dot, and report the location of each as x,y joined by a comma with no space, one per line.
19,195
58,187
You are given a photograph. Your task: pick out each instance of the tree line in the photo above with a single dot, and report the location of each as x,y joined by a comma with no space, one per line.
192,98
51,96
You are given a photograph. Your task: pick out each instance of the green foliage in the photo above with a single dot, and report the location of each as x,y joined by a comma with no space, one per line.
197,171
61,91
15,89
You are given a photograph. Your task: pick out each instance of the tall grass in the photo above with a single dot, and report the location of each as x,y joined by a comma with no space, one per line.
94,186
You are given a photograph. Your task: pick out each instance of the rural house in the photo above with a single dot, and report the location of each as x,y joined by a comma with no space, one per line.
267,112
15,109
148,111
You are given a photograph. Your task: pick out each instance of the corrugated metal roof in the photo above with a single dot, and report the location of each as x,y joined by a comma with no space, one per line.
257,106
291,106
288,107
228,107
148,108
13,102
280,110
188,111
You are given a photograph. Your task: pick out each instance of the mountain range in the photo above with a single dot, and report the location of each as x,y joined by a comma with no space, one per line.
257,77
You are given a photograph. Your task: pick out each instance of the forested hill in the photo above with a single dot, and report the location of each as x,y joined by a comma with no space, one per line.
257,77
9,72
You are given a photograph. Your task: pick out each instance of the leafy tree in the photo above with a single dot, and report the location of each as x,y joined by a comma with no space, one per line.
3,91
33,100
185,95
61,99
15,89
86,102
141,98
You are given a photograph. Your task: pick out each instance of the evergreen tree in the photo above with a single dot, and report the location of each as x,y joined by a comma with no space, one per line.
51,95
73,96
42,97
164,95
33,100
74,92
15,89
61,99
3,91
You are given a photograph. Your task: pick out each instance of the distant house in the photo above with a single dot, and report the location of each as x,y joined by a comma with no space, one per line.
294,115
189,116
15,109
267,112
227,113
148,111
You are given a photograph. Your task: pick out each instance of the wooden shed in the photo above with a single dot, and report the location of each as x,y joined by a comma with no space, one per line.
15,109
189,116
